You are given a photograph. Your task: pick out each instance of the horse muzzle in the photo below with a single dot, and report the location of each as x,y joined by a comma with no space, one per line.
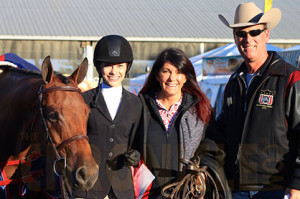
85,176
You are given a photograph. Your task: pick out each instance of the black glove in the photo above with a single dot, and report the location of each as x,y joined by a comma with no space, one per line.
132,157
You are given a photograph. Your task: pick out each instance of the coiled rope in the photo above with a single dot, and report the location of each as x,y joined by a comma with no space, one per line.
193,185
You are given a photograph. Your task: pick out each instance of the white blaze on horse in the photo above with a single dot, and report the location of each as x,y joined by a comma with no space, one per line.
44,111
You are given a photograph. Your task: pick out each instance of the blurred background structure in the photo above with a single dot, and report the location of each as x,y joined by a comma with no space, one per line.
68,31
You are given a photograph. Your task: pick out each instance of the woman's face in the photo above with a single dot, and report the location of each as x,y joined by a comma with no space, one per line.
171,80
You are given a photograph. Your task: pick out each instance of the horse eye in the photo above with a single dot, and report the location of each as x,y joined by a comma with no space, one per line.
53,116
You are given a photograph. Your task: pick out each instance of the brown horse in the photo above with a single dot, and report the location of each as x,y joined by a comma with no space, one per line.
44,112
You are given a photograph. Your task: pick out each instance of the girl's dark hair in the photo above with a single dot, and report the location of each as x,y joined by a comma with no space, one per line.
179,59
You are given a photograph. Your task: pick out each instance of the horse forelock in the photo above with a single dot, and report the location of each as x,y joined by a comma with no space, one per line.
63,78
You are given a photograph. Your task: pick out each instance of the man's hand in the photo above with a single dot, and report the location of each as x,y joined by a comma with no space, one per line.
132,157
294,193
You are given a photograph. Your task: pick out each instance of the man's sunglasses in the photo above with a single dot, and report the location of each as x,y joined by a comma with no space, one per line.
253,33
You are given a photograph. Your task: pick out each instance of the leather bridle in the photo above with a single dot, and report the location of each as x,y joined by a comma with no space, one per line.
60,146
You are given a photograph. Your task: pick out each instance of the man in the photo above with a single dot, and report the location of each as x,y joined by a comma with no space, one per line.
260,119
114,118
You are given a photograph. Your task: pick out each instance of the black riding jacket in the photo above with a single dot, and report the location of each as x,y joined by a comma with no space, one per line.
110,139
261,127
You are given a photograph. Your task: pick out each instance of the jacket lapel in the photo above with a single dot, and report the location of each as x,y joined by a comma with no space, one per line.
123,106
101,106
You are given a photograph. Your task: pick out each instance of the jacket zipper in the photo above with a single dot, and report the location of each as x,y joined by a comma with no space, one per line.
182,154
245,98
182,110
247,115
188,125
251,101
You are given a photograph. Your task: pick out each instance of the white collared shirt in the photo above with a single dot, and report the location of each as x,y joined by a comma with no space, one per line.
112,97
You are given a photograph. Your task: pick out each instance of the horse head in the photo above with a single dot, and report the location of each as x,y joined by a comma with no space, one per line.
65,116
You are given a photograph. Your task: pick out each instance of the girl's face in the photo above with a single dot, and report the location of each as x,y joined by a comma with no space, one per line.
113,74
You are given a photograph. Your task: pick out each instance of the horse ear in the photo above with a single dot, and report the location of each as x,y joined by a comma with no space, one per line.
47,70
79,74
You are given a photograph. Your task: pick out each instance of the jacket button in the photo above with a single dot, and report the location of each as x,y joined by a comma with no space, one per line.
111,139
112,126
110,154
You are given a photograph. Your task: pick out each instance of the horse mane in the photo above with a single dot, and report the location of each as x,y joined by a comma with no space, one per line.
20,70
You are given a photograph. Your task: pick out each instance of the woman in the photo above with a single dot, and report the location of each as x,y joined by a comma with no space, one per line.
176,113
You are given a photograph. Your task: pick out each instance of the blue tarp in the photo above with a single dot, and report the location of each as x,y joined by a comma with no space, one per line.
297,47
20,62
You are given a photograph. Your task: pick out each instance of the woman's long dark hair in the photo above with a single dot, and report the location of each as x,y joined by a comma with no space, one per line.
179,59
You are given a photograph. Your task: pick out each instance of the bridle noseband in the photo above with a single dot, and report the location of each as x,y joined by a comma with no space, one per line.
58,148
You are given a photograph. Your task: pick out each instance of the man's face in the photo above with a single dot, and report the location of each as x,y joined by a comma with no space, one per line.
113,74
252,48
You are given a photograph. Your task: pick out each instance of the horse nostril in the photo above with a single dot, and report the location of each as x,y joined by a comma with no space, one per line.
81,176
85,177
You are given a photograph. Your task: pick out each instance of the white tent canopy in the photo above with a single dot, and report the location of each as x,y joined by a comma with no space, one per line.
227,50
224,51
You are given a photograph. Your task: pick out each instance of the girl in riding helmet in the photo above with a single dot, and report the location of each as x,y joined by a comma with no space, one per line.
113,120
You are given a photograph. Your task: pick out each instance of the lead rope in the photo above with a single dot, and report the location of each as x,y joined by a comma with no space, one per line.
193,185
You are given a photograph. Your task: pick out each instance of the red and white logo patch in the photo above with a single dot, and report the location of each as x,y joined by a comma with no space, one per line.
266,98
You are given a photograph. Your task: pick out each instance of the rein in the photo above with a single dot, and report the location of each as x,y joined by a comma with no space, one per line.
58,148
193,185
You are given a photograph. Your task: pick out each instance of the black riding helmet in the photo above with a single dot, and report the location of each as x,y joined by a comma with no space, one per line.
113,49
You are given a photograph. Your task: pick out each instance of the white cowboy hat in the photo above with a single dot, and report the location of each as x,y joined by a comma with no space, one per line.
248,14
